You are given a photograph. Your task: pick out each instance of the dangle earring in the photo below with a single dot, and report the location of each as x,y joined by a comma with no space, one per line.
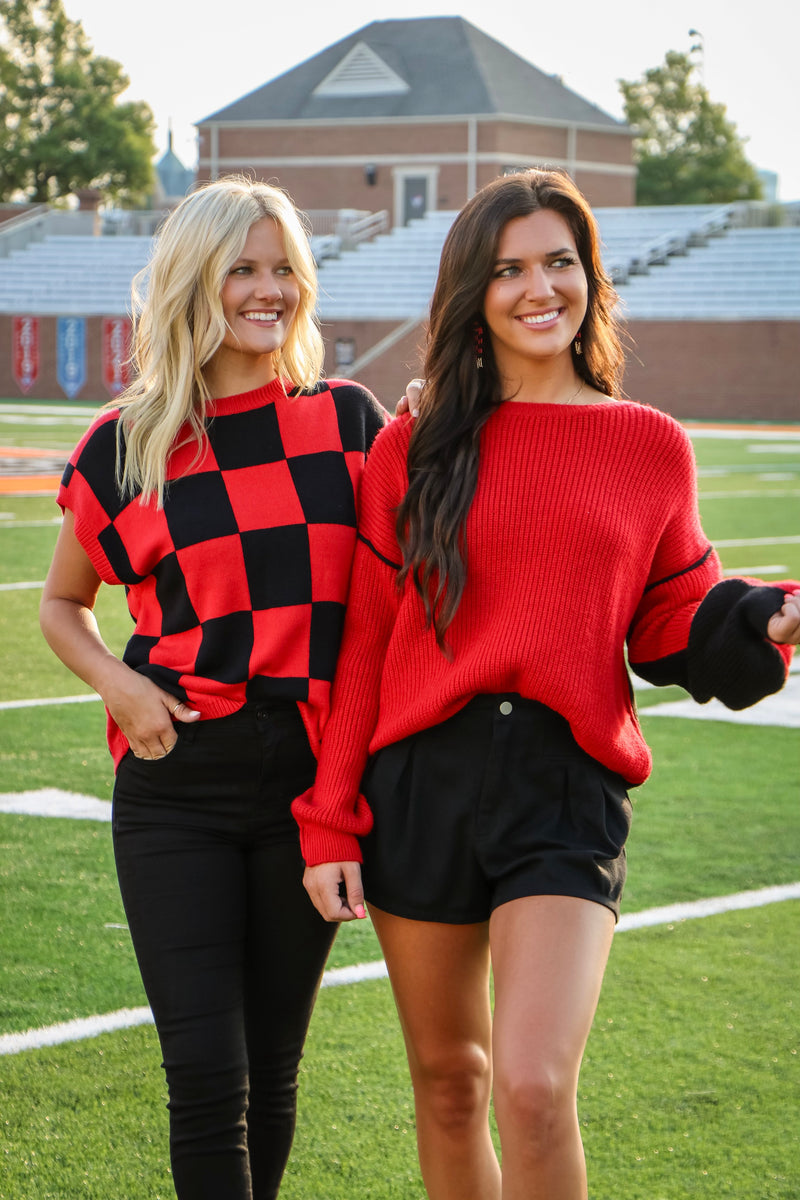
577,344
477,343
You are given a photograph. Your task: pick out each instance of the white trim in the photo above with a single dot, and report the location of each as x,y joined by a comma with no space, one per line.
400,161
472,157
214,159
572,149
460,119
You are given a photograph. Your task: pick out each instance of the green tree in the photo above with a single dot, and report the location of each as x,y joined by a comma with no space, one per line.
687,151
63,128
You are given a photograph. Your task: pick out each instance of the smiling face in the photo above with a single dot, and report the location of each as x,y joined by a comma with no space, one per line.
536,298
259,297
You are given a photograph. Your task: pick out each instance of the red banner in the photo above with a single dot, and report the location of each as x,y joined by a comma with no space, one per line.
25,340
116,354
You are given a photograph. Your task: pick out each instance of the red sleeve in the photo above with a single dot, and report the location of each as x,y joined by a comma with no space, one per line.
89,490
683,568
333,815
695,629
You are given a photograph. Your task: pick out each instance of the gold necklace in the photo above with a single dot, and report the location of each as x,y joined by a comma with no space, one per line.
575,395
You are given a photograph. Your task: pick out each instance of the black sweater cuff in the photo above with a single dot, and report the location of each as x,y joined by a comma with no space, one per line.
729,654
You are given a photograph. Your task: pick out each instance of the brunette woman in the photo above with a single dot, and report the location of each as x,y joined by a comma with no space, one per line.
513,541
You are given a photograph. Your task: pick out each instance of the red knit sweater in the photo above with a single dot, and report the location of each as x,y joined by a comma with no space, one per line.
583,535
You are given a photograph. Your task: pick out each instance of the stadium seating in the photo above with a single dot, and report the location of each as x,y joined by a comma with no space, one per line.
749,273
65,275
671,262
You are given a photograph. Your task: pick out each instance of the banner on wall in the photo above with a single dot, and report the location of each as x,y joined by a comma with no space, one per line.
25,350
71,354
116,353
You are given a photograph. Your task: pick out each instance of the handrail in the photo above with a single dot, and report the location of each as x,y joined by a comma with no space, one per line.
17,231
361,229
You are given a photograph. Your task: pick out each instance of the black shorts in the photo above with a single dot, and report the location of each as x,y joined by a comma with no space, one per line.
497,803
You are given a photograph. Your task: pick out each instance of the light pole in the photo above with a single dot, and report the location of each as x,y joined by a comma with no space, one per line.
699,48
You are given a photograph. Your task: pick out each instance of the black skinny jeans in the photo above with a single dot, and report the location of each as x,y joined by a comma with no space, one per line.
230,948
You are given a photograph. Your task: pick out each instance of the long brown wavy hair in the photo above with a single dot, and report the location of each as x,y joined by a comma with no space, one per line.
458,399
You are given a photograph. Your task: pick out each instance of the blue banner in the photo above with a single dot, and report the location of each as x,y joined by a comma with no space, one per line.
71,354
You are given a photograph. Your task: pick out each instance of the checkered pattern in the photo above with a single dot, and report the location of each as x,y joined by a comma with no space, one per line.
237,586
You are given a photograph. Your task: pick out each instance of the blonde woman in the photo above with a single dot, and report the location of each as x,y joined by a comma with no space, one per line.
220,492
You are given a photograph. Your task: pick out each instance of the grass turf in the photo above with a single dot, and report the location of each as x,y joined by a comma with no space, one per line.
690,1076
686,1087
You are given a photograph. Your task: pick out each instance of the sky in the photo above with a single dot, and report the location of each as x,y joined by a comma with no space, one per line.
187,67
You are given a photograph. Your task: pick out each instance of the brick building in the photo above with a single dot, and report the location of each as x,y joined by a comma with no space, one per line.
414,115
411,117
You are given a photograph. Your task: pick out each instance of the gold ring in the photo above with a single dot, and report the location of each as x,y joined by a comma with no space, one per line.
175,709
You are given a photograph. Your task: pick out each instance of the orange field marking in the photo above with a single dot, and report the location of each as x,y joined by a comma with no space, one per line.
28,452
38,484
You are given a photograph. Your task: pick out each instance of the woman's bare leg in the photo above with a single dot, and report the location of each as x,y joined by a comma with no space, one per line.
440,978
548,955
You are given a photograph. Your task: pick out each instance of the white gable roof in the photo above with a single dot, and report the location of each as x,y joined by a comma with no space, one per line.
361,72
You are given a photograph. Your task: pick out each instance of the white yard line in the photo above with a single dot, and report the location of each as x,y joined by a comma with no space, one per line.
21,409
692,910
771,711
759,570
750,494
7,522
52,802
126,1018
7,704
781,709
746,434
729,543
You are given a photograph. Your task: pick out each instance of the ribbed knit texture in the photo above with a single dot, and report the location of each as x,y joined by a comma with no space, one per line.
583,533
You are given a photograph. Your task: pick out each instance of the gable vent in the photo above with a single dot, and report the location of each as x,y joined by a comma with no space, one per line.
361,72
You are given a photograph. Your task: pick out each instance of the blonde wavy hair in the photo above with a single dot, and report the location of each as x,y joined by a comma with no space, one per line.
178,323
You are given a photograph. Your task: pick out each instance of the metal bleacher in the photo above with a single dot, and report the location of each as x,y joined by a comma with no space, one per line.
66,275
749,274
390,278
635,239
671,262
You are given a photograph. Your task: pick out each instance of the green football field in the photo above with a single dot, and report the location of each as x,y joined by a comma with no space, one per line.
690,1084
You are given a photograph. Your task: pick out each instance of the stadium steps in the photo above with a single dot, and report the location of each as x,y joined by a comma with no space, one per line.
670,262
750,273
